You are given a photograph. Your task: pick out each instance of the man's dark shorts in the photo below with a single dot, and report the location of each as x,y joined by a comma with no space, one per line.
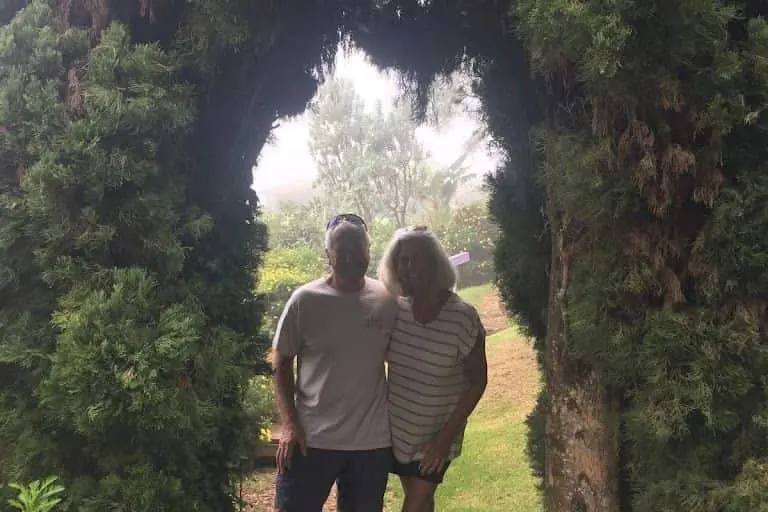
361,478
411,469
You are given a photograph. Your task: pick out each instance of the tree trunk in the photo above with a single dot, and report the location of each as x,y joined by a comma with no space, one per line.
581,436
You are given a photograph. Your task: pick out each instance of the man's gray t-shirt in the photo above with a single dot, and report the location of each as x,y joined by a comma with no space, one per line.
340,340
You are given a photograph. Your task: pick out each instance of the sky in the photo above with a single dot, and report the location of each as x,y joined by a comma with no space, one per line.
286,158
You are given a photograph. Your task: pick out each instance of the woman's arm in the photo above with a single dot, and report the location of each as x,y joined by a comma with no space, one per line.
476,375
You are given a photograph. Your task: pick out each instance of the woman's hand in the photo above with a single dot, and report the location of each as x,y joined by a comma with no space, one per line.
435,454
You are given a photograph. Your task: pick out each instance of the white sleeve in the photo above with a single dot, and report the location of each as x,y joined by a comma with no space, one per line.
288,339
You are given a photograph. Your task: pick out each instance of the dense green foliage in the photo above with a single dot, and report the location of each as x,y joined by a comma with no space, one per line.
296,225
260,415
646,165
627,185
468,228
129,239
129,324
284,270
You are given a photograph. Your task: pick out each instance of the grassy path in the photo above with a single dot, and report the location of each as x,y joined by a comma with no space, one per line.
492,475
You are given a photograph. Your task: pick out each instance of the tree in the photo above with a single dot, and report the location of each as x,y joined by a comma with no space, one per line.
340,144
643,149
442,186
297,225
452,97
469,228
400,179
119,372
369,159
129,242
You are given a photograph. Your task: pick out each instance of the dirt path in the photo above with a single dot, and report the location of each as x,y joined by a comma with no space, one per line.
492,314
513,376
259,493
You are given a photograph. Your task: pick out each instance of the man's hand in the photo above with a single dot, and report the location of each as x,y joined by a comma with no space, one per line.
435,454
291,437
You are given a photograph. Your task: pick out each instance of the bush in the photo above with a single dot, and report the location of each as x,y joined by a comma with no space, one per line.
296,225
284,270
37,496
128,323
469,228
381,232
260,401
261,413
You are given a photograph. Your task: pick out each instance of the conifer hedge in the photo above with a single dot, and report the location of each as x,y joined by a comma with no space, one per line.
129,236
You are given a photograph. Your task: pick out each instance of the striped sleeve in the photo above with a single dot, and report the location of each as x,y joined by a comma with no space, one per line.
468,337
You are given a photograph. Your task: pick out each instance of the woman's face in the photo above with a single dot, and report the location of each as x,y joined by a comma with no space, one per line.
413,267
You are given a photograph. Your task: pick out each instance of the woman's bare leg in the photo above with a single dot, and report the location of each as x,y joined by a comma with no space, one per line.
419,495
404,482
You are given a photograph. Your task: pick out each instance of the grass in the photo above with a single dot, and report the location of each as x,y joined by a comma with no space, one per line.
475,294
492,474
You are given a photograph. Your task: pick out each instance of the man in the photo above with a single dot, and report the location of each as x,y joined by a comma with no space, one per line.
335,421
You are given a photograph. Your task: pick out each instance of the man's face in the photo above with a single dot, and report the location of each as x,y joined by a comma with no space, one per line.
349,254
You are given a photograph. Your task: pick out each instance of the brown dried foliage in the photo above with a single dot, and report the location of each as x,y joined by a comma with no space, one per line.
673,290
657,168
655,244
75,95
708,186
677,161
670,96
636,140
661,246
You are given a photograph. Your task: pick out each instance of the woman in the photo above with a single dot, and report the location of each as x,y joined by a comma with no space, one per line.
437,364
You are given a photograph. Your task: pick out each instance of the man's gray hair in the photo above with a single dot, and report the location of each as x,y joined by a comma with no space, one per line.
347,225
443,273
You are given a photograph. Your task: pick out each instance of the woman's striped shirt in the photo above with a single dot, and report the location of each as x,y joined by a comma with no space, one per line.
426,375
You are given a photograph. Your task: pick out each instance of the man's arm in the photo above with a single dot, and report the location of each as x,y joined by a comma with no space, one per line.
285,387
286,346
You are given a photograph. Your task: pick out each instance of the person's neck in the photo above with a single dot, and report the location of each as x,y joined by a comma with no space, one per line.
427,305
346,285
430,299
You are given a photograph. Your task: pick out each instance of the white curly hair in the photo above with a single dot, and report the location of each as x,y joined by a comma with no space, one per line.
443,273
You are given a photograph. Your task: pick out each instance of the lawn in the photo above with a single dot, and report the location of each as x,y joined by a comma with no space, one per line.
493,473
475,294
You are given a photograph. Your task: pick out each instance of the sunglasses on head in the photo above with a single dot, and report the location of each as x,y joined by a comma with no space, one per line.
346,217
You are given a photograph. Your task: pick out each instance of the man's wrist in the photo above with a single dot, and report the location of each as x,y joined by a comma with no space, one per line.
291,420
